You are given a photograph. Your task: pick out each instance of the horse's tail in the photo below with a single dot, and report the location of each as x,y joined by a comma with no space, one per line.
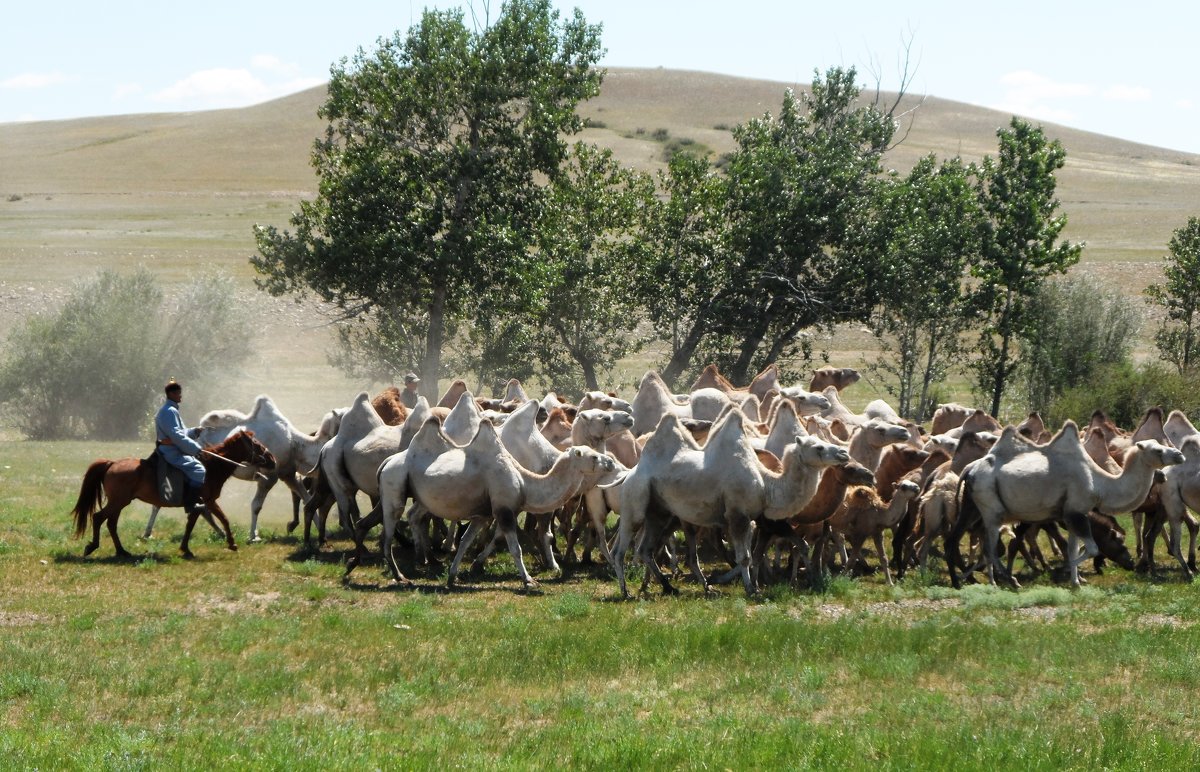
90,494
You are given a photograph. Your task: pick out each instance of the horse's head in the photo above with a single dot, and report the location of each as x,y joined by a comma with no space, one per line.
245,448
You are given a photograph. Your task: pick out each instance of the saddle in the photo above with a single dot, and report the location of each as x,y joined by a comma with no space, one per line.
169,480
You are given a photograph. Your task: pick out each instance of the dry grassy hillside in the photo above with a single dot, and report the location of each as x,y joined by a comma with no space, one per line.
176,191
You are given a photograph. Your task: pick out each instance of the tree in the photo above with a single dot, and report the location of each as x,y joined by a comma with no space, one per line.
682,278
589,241
1079,327
926,232
431,173
796,183
1178,337
95,367
1019,247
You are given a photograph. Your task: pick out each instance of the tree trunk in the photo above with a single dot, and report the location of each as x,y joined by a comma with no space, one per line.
682,356
431,366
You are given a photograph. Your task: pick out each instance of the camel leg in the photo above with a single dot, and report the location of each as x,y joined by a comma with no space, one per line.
652,536
256,504
1176,546
1079,528
693,556
1193,528
991,538
544,524
741,530
883,558
476,525
506,521
1138,518
150,523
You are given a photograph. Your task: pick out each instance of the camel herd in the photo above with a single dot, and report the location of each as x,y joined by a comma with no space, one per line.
753,475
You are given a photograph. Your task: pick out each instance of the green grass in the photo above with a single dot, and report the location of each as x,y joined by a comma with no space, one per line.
262,658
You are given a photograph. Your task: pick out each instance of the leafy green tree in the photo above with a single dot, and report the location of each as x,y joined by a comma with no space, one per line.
1178,338
590,240
431,174
1019,248
682,277
925,232
797,182
95,367
1079,326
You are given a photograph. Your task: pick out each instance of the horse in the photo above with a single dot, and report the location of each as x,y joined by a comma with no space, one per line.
122,480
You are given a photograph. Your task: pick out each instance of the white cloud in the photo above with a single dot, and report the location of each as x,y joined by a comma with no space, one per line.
124,90
1031,95
224,87
33,80
1184,104
273,64
1123,93
221,86
1027,86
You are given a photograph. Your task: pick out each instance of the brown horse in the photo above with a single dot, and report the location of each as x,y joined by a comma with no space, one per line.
123,480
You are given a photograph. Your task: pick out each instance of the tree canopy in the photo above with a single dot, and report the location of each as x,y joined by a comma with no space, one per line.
428,174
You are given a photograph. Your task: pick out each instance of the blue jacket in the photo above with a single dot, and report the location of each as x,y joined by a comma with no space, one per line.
168,425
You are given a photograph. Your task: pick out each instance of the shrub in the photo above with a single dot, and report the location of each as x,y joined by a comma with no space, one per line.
1125,392
660,135
95,367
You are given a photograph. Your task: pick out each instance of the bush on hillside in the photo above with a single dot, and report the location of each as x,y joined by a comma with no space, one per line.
94,368
1125,392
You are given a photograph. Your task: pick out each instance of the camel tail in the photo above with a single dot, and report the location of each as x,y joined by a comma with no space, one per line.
91,492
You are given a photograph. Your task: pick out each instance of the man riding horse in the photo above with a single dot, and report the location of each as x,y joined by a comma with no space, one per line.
178,448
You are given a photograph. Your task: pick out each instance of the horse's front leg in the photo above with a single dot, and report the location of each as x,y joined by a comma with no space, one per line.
219,513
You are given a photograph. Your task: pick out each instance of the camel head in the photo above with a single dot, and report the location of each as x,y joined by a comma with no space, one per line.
811,451
881,433
839,377
806,402
943,441
592,464
601,401
906,490
598,425
1157,454
854,473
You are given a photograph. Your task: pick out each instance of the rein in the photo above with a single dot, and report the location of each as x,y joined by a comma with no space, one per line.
235,463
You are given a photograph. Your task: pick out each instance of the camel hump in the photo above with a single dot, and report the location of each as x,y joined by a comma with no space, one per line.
1067,436
263,406
486,439
429,439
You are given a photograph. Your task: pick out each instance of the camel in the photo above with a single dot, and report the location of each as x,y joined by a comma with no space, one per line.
295,452
895,463
838,377
806,402
865,514
1034,428
722,484
1020,481
938,505
764,382
869,440
1178,428
838,411
515,393
592,428
785,427
450,398
463,420
1109,536
557,429
806,526
388,405
707,404
1180,492
480,482
599,400
949,416
652,401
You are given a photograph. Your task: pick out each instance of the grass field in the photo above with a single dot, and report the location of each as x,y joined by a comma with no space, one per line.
263,659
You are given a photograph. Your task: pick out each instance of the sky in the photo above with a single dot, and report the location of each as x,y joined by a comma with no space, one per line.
1121,69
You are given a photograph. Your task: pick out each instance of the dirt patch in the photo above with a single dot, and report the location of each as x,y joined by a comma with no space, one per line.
21,618
1040,613
250,603
909,609
1162,620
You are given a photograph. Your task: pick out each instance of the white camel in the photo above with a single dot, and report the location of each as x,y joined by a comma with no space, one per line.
652,401
479,482
1021,481
722,484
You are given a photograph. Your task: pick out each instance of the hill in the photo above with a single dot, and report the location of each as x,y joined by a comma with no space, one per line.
178,191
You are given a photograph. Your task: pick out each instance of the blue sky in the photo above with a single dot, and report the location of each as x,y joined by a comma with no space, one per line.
1120,69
